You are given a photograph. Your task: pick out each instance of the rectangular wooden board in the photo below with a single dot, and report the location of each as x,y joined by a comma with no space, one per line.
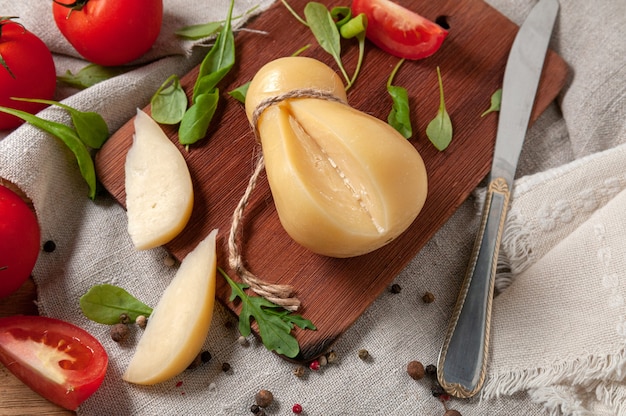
335,292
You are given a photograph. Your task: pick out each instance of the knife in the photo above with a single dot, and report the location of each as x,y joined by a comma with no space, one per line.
462,363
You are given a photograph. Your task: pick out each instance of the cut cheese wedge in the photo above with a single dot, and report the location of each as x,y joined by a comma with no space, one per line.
159,191
180,322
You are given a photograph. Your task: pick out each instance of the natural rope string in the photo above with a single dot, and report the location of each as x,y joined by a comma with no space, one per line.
282,295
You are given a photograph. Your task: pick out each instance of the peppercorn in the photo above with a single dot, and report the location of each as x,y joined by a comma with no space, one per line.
452,412
428,297
141,321
314,365
298,371
243,341
431,370
437,390
415,369
49,246
297,408
364,354
225,367
264,398
395,288
124,318
119,332
323,360
331,357
169,261
205,356
255,409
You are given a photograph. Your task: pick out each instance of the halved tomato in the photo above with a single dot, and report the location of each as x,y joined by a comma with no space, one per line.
60,361
398,30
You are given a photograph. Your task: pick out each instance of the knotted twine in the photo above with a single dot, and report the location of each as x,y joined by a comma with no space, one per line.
282,295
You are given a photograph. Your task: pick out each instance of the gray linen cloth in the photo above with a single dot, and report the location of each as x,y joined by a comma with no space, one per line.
559,325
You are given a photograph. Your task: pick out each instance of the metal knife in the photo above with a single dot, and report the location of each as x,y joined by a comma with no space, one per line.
462,363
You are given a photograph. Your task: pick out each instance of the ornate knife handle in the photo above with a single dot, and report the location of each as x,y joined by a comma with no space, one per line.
463,359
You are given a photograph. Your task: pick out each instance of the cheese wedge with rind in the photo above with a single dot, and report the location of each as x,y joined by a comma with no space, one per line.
159,190
180,322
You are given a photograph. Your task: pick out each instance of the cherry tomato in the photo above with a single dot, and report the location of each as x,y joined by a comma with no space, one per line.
399,31
19,241
26,71
58,360
109,32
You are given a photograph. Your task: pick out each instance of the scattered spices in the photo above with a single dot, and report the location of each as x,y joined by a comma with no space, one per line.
297,408
255,408
205,356
395,288
428,297
243,341
264,398
141,321
415,369
431,370
364,354
323,360
298,371
331,357
124,318
436,389
119,332
49,246
314,365
225,367
169,261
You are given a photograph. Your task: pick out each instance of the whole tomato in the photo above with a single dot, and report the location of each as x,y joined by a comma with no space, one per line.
26,71
19,241
109,32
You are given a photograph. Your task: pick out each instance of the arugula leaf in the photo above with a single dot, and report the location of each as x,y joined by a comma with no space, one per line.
323,27
205,30
355,28
90,126
399,117
91,75
240,92
105,303
439,130
70,138
197,118
169,103
275,323
496,99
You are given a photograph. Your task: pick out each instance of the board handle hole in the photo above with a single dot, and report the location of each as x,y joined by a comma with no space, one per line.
443,22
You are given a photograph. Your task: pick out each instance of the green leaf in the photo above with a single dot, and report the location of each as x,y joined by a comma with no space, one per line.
400,116
274,322
439,130
218,62
105,303
204,30
496,99
169,103
90,126
195,122
240,92
70,138
325,30
91,75
341,15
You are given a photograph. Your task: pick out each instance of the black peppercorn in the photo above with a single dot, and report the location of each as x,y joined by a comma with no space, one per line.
396,288
49,246
225,367
205,356
431,370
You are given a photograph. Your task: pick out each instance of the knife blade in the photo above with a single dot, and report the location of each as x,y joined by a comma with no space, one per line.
462,363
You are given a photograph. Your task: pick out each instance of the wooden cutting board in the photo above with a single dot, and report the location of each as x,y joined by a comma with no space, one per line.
334,292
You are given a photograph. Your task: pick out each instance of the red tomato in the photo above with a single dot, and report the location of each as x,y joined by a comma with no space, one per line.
19,241
109,32
26,71
58,360
399,31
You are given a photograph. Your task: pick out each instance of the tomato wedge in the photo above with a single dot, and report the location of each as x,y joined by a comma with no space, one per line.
398,30
58,360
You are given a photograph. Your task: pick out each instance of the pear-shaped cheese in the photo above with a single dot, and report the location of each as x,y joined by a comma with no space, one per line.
159,191
180,322
344,183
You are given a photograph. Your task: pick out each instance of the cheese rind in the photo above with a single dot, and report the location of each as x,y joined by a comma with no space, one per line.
344,183
179,324
159,191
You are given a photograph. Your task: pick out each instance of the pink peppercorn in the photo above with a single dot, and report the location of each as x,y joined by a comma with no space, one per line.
314,365
297,408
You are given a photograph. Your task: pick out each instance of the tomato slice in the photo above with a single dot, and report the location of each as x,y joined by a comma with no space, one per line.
399,31
58,360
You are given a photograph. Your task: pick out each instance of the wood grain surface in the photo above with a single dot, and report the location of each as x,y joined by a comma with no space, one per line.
334,292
